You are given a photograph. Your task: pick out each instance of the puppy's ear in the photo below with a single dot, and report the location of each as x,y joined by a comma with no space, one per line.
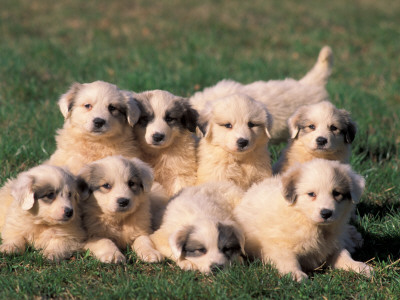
85,178
294,122
204,121
178,239
22,192
146,174
190,116
132,108
82,188
229,233
351,128
66,101
268,121
289,181
357,187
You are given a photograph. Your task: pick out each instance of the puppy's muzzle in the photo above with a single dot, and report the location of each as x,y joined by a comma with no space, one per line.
99,122
68,212
321,141
158,138
242,143
123,202
326,213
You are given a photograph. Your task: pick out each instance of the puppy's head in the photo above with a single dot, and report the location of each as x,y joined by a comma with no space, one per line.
209,245
99,108
118,185
164,117
321,127
49,193
236,123
324,191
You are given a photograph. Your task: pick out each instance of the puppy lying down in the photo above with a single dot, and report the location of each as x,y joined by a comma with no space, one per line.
198,231
117,213
298,221
39,207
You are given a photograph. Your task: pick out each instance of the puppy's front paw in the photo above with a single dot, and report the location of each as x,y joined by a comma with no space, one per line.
186,265
151,256
10,248
299,275
112,258
54,256
364,269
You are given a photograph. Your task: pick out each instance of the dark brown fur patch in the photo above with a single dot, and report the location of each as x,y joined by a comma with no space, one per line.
289,181
228,241
342,183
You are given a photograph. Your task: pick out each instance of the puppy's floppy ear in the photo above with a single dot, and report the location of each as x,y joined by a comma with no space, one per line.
357,187
66,101
289,181
351,128
178,239
294,122
204,120
22,192
190,116
132,108
84,178
229,231
146,174
268,122
82,188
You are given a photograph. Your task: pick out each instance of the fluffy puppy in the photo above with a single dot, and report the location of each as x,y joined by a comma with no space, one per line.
198,231
165,135
304,224
39,207
98,123
117,213
234,146
282,97
318,131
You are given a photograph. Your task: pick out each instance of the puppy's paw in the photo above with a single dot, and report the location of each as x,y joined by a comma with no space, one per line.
363,268
54,256
112,258
151,256
10,248
186,265
299,275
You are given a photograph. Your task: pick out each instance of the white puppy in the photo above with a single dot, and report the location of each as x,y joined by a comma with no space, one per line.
282,97
98,123
39,207
298,221
234,146
198,231
165,135
117,213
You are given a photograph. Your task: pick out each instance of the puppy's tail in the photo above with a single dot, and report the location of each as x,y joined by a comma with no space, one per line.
322,69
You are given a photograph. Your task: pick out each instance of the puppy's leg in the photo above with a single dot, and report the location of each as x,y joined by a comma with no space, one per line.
11,246
186,265
343,260
61,248
145,250
105,250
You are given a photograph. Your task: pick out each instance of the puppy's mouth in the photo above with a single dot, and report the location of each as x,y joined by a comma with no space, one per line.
99,131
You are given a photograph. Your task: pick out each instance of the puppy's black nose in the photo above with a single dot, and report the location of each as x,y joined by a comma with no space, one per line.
242,143
98,122
158,137
326,213
216,267
123,202
321,141
68,212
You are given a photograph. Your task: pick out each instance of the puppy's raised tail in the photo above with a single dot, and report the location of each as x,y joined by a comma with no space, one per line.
322,69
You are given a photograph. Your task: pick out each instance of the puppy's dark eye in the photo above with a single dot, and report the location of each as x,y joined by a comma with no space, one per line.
169,119
312,126
111,108
69,195
251,124
131,184
107,186
312,194
333,128
143,120
51,195
88,106
227,125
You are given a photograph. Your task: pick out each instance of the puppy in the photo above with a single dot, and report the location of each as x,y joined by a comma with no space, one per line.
117,213
234,146
40,208
165,136
98,123
282,97
318,131
298,221
198,231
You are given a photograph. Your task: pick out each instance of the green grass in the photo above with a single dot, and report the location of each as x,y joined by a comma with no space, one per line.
183,46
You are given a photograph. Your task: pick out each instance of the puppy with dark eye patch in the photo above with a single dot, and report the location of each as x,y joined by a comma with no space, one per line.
165,136
235,142
40,207
298,220
198,231
117,213
317,131
98,123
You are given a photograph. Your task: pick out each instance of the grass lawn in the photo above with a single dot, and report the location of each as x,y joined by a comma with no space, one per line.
183,46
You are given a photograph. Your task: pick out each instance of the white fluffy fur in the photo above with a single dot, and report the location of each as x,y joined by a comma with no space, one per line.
33,211
282,97
283,218
220,157
196,215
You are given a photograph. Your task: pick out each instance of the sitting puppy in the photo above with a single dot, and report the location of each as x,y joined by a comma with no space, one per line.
282,97
98,123
117,213
198,231
40,208
318,131
164,133
234,146
299,220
